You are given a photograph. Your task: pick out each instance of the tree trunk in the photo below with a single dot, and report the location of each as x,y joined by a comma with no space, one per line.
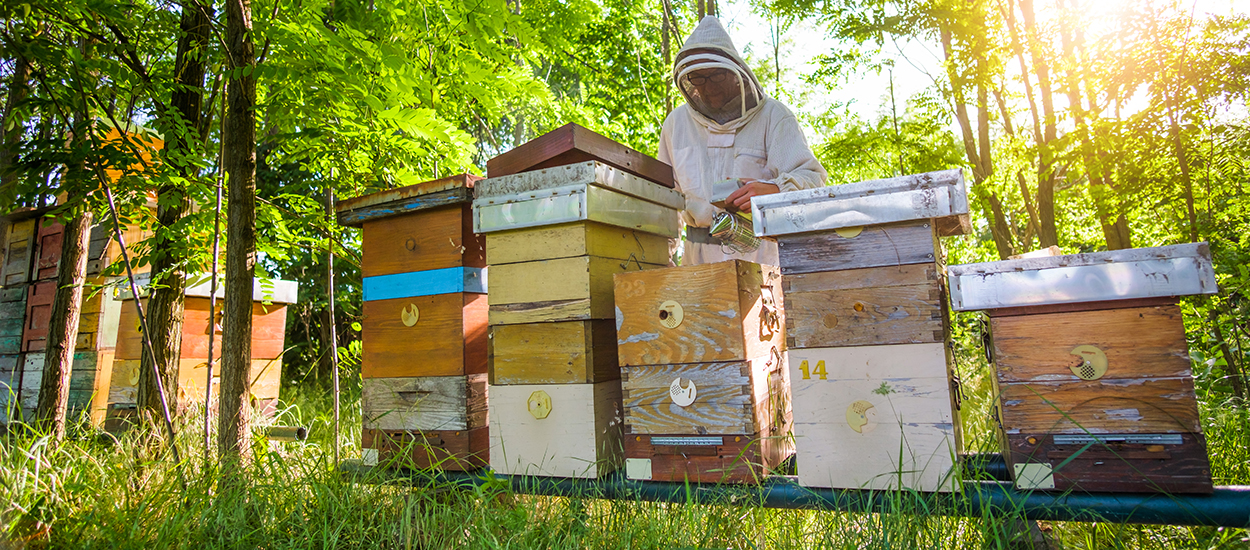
63,326
977,152
1048,233
182,131
239,161
12,132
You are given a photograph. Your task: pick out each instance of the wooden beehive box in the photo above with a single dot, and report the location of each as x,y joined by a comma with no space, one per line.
874,400
707,422
1093,370
560,430
270,300
875,417
424,328
427,421
726,311
704,385
424,278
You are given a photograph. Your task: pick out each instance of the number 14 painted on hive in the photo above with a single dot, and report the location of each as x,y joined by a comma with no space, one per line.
820,370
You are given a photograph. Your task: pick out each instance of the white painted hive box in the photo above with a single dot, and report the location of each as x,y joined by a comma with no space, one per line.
556,430
874,417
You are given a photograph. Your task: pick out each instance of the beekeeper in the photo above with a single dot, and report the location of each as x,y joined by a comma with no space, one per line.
729,129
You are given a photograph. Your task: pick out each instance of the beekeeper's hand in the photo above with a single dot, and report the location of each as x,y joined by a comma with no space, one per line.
699,212
741,199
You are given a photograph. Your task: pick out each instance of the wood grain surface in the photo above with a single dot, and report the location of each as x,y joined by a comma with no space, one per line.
572,143
721,313
565,352
421,241
879,417
735,397
580,438
737,460
868,315
448,339
455,450
881,245
576,239
1119,467
1138,342
20,242
1142,405
566,289
403,200
425,403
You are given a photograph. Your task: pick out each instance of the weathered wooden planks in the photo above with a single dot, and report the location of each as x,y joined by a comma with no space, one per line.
19,245
448,335
565,352
1118,466
432,239
576,239
872,306
460,450
1137,342
457,189
728,311
578,288
571,143
700,459
874,417
579,436
427,403
742,397
882,245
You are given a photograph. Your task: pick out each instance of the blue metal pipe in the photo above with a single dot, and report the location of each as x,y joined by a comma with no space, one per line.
1226,507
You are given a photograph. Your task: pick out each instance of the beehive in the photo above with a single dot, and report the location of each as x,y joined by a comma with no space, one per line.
1094,386
424,326
704,383
555,237
30,276
873,396
270,300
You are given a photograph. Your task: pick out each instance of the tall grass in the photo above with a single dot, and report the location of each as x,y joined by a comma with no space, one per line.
101,491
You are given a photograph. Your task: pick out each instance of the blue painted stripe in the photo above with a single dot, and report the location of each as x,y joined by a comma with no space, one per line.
425,283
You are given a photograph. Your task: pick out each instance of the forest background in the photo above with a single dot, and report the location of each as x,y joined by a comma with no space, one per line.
1080,124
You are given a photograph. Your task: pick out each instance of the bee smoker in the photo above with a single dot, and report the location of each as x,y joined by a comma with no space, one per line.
734,233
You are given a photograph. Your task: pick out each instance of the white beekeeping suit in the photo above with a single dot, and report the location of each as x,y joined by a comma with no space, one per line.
751,136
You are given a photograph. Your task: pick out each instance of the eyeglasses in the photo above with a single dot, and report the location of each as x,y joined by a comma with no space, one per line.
717,76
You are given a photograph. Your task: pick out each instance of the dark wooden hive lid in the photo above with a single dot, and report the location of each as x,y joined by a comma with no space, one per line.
570,144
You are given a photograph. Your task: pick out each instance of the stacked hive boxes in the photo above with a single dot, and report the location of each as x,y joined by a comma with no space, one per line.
19,244
424,327
554,239
270,300
1094,385
866,329
31,267
706,392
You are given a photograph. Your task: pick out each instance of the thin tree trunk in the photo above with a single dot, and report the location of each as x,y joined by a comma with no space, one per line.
977,155
182,132
1049,233
666,47
1232,370
12,130
63,326
239,160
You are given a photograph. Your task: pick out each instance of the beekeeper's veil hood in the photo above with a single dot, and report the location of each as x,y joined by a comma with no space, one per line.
725,91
